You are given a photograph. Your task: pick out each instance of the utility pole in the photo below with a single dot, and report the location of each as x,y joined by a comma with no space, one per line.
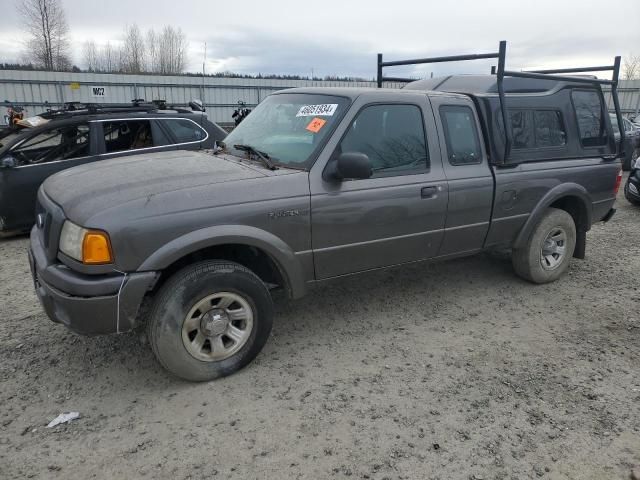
204,62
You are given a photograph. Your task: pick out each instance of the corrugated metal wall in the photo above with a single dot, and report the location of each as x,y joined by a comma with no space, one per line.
629,96
40,90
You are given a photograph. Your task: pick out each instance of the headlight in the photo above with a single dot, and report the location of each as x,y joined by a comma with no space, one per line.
91,247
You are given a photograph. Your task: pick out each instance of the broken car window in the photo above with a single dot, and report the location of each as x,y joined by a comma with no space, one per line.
122,135
62,143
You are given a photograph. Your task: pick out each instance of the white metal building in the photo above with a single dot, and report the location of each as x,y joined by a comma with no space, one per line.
38,91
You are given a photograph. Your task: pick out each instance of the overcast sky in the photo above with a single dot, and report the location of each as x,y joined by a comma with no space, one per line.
342,37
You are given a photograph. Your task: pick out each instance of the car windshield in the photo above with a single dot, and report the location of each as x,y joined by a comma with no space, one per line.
288,127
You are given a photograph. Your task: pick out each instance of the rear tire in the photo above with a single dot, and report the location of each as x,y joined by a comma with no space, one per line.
209,320
548,251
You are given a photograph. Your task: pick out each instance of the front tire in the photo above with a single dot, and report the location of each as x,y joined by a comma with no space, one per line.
209,320
549,249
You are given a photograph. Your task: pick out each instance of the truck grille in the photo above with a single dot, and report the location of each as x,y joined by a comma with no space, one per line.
49,220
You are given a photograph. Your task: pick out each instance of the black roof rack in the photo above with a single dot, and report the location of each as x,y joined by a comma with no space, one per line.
501,72
70,109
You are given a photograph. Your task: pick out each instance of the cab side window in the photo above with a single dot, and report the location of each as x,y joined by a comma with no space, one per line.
461,135
63,143
393,138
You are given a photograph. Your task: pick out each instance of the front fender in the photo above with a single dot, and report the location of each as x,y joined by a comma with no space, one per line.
556,193
286,260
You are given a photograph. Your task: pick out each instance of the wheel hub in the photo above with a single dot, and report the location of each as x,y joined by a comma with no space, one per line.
549,247
217,326
552,251
214,322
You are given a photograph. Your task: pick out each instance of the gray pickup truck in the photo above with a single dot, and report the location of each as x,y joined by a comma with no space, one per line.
315,184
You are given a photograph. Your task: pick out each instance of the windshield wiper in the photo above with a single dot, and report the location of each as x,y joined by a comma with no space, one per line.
261,155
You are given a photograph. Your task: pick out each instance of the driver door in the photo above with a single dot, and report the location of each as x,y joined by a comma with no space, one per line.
397,215
37,157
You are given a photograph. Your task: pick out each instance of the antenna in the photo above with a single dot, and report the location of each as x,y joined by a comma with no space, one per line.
204,62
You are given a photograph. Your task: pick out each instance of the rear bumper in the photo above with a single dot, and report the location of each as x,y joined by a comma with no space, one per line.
86,304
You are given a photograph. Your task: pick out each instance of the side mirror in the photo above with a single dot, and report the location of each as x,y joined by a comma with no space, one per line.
8,162
353,165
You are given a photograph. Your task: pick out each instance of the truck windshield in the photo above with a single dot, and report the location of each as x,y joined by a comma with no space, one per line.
288,127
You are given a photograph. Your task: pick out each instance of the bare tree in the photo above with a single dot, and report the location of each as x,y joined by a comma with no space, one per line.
107,58
91,57
631,67
132,55
173,47
99,58
46,24
153,51
164,52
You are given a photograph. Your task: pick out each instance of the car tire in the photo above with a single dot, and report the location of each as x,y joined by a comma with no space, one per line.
210,300
628,196
628,162
548,251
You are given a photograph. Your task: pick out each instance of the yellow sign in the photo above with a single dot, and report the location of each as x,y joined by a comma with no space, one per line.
74,86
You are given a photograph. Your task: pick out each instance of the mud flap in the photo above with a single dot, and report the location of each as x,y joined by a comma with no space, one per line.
581,245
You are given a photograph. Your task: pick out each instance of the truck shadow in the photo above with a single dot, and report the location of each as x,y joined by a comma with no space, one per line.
346,308
397,292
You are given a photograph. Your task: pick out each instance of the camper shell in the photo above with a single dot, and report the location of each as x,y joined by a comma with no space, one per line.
524,97
503,93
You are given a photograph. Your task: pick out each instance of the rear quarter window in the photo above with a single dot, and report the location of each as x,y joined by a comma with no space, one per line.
184,130
124,135
461,135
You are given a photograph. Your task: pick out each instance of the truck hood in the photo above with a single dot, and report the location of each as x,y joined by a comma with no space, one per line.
100,186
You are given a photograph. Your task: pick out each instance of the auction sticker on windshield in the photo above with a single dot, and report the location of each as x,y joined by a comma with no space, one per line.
315,125
325,109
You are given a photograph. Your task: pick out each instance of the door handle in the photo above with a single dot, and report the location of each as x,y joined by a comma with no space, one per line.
429,192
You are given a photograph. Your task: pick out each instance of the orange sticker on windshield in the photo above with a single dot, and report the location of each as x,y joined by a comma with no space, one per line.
316,124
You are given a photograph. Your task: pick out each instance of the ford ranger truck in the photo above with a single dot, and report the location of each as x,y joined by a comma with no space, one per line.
316,184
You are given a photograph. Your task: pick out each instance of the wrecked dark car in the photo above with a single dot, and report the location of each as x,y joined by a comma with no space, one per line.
49,143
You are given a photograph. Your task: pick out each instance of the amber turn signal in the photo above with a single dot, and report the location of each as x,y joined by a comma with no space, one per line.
96,248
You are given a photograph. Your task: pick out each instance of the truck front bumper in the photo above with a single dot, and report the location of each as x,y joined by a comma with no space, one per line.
87,304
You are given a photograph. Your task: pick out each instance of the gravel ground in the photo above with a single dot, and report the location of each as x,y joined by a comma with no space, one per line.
456,370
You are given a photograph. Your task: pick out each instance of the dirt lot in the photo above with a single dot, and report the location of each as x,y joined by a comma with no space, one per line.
456,370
